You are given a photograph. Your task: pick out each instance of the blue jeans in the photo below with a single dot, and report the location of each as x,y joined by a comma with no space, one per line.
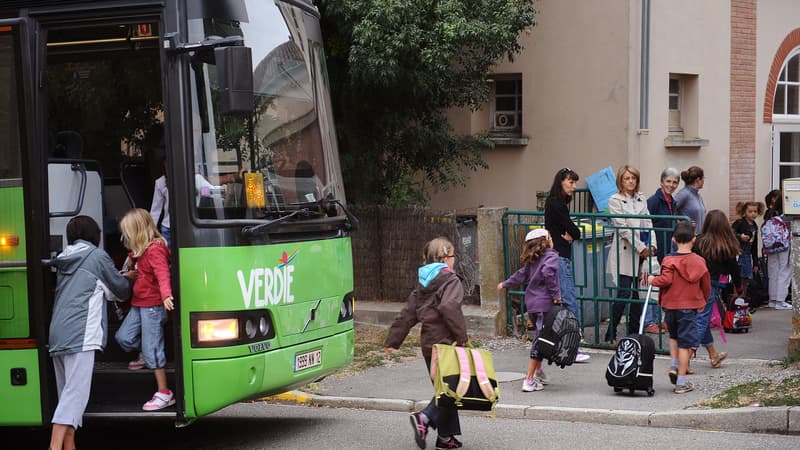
651,316
143,328
704,318
566,282
166,233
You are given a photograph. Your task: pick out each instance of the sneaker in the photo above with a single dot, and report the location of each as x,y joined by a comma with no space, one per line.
541,377
652,329
420,429
159,401
683,388
582,357
530,385
673,375
137,363
783,305
452,442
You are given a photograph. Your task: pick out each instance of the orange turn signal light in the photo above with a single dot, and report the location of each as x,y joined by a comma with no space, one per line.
9,241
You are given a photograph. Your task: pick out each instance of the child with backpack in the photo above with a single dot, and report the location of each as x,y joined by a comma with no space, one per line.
540,273
684,285
746,231
436,303
777,242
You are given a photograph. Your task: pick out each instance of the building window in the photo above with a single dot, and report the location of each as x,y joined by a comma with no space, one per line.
787,88
683,105
506,116
675,105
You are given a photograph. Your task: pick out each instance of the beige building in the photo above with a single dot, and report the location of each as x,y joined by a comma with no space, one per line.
583,94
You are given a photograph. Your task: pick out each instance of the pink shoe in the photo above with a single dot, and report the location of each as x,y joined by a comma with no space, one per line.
137,363
159,401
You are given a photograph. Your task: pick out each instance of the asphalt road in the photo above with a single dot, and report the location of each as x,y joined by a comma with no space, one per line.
270,426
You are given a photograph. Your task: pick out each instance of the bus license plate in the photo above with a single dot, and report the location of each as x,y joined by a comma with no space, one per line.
308,359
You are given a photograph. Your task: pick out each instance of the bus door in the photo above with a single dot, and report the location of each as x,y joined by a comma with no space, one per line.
101,106
23,355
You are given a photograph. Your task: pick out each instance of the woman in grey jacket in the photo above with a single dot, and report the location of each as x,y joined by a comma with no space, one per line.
86,279
688,201
436,303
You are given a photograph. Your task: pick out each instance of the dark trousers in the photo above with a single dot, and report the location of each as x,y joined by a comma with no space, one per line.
624,290
445,420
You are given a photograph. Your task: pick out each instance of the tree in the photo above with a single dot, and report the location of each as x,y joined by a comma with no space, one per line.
395,67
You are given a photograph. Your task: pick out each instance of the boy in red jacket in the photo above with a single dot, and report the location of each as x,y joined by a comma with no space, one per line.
685,285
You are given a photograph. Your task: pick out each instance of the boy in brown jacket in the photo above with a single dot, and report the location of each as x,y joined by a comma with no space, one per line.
685,285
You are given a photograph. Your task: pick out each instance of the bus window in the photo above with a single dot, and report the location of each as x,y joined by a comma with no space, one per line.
280,144
9,121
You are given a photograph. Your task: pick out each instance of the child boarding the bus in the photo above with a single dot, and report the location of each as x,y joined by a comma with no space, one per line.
684,285
86,279
746,231
143,327
540,272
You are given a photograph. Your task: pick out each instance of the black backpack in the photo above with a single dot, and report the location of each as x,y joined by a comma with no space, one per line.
632,364
560,337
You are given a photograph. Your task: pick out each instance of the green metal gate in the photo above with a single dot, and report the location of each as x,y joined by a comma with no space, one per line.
594,285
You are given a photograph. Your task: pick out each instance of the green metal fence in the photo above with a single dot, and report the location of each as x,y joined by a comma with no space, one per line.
594,283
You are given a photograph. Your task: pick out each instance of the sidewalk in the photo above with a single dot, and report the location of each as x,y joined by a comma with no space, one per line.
580,393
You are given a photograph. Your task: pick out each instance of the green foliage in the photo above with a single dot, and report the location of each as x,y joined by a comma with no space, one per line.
395,68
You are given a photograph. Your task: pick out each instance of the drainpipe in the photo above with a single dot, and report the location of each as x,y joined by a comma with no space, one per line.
645,70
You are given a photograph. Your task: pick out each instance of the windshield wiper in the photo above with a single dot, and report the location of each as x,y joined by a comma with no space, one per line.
250,232
352,220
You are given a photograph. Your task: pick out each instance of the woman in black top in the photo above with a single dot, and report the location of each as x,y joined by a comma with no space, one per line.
563,231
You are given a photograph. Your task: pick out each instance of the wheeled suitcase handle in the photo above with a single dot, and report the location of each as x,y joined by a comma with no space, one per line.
644,308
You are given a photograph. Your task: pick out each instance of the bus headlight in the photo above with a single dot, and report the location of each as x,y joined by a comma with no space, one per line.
229,328
217,330
263,326
347,307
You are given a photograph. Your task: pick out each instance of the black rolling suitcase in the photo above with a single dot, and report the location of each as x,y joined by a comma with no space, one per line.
631,367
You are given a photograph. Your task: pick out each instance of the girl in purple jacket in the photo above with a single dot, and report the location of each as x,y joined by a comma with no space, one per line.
540,272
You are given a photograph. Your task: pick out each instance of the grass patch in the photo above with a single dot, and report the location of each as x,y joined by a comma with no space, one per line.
763,393
369,350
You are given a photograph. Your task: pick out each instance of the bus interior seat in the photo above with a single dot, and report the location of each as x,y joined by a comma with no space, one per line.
64,182
137,183
68,145
305,182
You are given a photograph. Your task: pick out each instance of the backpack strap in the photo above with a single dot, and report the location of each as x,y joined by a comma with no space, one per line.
434,361
483,379
465,376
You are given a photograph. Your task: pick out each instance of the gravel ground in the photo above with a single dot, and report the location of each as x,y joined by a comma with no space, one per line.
710,382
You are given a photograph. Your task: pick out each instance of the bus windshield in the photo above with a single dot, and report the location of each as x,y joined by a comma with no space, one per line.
275,160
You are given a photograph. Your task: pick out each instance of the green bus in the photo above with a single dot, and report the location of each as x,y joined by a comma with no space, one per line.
229,100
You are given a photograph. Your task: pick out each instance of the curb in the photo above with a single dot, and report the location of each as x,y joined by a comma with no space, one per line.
773,420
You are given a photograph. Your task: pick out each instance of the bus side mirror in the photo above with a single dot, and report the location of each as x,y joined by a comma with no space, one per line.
235,78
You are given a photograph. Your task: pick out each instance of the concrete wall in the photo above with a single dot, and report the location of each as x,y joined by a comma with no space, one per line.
581,69
776,20
575,87
689,37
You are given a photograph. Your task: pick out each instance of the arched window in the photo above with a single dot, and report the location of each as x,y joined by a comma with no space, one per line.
786,103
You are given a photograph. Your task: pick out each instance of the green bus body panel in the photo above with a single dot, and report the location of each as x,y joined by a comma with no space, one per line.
14,321
287,280
219,383
26,399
